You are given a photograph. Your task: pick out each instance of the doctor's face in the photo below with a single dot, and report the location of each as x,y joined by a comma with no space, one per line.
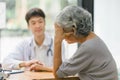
37,25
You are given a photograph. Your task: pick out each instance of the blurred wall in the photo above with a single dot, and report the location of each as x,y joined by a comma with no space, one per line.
107,25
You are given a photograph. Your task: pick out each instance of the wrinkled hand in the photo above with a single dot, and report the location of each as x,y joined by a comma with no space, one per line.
31,62
36,67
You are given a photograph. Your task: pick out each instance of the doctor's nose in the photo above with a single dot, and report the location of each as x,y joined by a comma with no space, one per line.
37,25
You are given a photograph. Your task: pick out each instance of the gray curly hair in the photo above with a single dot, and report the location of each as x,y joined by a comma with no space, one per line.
77,17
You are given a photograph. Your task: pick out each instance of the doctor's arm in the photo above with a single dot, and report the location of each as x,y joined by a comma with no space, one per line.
15,57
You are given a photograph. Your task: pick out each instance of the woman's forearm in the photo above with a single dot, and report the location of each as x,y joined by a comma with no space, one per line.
57,55
59,36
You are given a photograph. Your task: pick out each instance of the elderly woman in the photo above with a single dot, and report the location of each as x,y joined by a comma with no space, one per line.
92,60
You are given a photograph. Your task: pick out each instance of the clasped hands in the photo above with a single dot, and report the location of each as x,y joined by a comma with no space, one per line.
32,65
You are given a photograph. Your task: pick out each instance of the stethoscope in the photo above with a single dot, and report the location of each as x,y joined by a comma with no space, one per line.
49,51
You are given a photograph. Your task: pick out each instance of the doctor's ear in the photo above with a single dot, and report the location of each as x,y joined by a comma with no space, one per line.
28,27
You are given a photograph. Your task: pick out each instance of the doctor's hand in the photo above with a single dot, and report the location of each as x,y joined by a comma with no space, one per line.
36,67
29,63
39,67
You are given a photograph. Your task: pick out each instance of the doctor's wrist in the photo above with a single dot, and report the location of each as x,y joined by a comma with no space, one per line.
22,64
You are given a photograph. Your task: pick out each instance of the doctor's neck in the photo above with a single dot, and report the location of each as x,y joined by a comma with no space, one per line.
39,40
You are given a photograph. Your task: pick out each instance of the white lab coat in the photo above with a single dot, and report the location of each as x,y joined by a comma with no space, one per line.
25,52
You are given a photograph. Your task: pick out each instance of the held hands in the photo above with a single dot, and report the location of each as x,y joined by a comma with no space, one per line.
32,65
36,67
31,62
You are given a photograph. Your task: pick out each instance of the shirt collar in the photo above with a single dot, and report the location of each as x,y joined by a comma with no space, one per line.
46,41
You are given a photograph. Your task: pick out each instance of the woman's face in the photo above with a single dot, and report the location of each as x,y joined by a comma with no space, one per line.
70,38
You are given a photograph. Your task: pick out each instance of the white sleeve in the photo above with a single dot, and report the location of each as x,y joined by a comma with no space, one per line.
14,58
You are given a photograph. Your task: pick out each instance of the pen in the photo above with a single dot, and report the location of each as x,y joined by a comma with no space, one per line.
7,70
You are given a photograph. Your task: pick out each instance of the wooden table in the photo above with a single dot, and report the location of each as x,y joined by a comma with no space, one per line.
37,76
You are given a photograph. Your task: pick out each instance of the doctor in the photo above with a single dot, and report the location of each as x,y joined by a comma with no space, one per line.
35,53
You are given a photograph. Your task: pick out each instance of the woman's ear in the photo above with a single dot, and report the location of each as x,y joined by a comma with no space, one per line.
74,28
74,31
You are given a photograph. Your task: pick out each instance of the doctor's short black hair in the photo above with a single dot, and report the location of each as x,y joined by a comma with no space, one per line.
34,12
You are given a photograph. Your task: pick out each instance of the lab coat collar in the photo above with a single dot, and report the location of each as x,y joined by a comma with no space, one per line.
46,41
